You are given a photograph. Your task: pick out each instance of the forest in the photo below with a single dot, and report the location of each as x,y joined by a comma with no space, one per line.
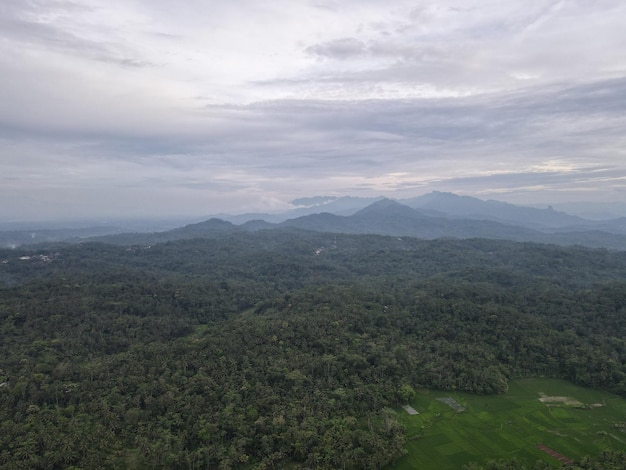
285,348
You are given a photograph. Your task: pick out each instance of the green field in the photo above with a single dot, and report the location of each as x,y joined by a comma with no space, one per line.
511,425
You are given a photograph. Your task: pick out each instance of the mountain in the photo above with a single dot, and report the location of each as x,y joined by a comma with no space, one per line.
388,217
474,208
434,215
450,206
388,207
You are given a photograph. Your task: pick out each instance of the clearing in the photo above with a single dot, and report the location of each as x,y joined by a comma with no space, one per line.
543,398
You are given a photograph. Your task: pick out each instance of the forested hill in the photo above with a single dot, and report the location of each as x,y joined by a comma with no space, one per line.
282,348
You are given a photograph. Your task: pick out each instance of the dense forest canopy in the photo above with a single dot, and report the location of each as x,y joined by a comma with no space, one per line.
273,348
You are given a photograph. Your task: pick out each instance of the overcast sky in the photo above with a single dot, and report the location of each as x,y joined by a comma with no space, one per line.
147,107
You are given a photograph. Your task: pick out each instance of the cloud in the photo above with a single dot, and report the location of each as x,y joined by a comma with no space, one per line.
239,105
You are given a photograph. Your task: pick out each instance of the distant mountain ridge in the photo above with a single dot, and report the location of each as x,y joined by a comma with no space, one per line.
388,217
433,215
474,208
391,218
451,206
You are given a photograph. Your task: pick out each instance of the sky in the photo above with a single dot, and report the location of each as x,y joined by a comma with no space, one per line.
159,108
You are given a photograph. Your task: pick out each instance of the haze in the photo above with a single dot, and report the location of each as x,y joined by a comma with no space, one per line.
144,108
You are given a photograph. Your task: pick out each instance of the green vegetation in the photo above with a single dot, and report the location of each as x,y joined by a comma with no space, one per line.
509,426
287,349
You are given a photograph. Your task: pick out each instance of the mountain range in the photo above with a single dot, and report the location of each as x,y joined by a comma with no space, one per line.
433,215
388,217
450,205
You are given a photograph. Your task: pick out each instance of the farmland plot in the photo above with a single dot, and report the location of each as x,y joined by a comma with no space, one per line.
535,415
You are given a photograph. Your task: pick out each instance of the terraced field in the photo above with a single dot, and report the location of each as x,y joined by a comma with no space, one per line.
534,415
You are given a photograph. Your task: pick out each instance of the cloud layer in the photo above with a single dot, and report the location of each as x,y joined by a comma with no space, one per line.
146,108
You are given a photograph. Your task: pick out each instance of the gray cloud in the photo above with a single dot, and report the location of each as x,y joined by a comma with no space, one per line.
330,138
509,101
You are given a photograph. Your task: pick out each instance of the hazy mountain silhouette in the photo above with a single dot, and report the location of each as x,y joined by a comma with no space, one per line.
450,206
474,208
388,217
438,215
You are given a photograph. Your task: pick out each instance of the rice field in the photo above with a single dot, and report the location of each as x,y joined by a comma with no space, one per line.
535,414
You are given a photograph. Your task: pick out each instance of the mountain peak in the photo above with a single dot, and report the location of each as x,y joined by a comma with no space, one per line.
385,206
